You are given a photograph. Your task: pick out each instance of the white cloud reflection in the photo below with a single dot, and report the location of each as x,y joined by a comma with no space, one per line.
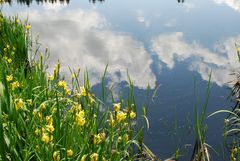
142,19
173,47
80,38
83,38
234,4
55,6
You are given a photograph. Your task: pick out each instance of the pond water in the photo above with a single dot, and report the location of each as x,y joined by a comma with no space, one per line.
162,43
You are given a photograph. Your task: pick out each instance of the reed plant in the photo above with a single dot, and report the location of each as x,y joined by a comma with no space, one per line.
232,125
200,151
15,40
43,117
232,121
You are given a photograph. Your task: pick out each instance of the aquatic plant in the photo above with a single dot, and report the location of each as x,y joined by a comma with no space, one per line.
232,121
200,151
43,117
15,41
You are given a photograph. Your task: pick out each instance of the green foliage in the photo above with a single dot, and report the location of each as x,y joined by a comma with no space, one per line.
42,117
232,121
15,41
200,151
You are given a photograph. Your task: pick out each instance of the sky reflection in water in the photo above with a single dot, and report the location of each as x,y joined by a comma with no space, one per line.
159,42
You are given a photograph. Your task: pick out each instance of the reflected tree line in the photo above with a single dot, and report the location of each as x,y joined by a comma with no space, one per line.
94,1
180,1
29,2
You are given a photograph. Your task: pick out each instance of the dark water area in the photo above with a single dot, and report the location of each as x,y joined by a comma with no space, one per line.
164,45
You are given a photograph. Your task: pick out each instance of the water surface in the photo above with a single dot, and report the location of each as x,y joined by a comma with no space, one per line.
163,44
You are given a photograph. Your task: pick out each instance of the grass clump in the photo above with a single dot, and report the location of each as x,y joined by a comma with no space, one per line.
200,151
232,121
42,117
15,41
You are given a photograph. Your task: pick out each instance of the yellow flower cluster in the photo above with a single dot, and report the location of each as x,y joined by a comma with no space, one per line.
238,49
117,106
9,78
84,157
126,137
47,131
40,116
18,103
28,27
29,102
97,139
63,84
37,132
132,114
94,157
17,20
50,77
56,156
83,91
9,60
45,138
119,139
80,118
49,126
49,120
120,116
76,108
43,106
15,85
69,153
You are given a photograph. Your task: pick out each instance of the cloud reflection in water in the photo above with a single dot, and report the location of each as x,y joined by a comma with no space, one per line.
80,38
173,47
234,4
83,38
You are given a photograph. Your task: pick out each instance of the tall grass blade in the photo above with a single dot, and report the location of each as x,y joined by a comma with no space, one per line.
2,148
